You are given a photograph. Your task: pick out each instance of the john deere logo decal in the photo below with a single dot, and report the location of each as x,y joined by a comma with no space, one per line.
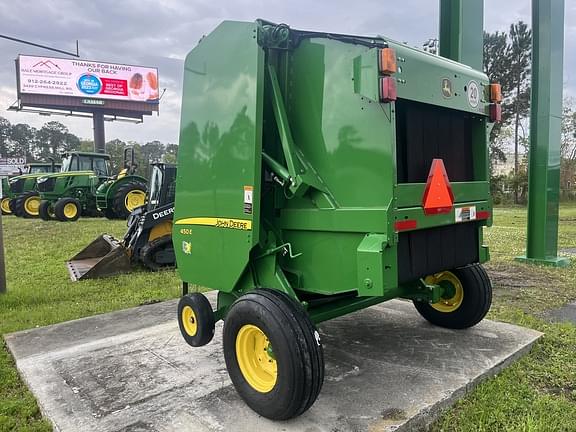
446,88
187,247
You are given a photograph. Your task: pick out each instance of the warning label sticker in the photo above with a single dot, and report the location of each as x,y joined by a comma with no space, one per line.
465,214
248,192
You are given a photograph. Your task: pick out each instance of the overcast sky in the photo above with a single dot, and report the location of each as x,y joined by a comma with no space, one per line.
160,33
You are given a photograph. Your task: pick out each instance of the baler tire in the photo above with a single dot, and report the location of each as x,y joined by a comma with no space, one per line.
148,251
475,302
45,211
295,344
196,319
23,202
61,206
119,201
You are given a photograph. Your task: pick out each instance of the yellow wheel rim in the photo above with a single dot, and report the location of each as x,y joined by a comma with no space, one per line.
454,291
135,198
5,204
70,210
31,205
256,359
189,321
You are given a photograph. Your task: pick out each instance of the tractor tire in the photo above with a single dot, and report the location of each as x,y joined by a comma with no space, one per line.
17,206
67,209
12,205
109,213
46,211
6,207
273,354
468,303
158,254
196,319
128,197
29,204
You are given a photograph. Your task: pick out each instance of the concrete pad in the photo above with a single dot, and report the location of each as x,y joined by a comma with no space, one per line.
387,369
568,251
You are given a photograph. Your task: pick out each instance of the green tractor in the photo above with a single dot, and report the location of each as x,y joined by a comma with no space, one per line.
16,190
118,196
91,189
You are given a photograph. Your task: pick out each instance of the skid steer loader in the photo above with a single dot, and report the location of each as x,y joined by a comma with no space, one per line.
148,239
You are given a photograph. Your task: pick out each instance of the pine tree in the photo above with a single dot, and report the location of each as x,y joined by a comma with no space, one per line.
519,52
507,61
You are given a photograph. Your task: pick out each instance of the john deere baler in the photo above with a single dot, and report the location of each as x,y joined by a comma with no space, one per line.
321,174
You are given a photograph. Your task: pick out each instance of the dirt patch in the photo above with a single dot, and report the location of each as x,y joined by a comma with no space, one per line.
568,392
509,275
395,414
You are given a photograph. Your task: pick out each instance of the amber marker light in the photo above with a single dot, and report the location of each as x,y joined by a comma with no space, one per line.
387,61
495,93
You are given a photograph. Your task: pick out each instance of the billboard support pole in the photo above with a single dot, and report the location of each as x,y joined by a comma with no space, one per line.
99,137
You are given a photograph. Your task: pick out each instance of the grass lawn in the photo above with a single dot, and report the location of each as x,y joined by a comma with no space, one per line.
538,393
40,293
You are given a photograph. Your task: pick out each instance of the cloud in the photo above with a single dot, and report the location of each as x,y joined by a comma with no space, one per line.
161,32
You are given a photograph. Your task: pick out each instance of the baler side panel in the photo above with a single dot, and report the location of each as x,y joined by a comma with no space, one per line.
347,137
218,188
349,140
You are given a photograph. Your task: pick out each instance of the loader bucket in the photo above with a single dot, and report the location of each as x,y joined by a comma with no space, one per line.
105,256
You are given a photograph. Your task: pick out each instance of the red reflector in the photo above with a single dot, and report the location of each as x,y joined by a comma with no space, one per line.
495,113
438,197
404,225
387,89
482,214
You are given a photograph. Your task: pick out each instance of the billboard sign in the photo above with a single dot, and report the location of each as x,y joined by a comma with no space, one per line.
12,165
87,79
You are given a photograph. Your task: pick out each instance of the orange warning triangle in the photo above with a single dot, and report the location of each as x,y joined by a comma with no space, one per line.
438,197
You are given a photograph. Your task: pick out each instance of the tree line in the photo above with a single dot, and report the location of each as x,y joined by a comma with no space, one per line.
507,61
54,138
